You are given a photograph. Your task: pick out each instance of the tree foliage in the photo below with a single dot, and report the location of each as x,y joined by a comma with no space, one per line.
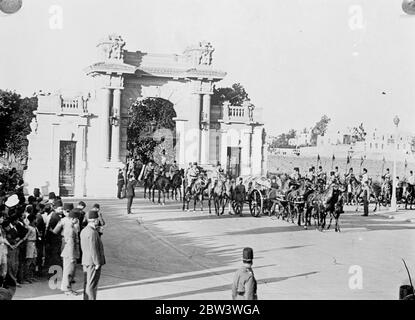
236,95
16,114
146,117
319,129
282,140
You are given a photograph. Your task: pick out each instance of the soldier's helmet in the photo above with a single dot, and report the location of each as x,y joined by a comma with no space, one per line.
247,255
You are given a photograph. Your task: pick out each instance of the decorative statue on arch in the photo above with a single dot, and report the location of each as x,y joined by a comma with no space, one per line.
206,53
115,50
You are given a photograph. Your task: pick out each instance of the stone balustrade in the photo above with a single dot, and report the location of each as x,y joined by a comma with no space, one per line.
240,114
56,103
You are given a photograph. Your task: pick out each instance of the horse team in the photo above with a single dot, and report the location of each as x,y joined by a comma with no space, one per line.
301,200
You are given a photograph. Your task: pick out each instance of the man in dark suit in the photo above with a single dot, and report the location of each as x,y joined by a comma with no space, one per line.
239,196
130,192
93,257
120,183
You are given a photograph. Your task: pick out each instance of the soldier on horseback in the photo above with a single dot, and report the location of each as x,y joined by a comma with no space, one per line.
148,169
387,176
320,173
174,168
366,192
337,173
192,175
331,179
310,176
294,183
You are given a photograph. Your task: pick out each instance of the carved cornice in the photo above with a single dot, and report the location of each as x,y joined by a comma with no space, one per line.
106,67
215,75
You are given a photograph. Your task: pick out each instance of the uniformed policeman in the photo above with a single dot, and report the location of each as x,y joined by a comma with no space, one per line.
244,286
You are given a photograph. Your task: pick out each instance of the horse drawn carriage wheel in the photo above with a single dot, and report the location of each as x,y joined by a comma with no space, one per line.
256,203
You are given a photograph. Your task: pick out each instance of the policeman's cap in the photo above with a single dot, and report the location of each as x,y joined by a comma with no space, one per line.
247,255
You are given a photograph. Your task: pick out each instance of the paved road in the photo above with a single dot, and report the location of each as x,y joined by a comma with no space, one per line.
160,252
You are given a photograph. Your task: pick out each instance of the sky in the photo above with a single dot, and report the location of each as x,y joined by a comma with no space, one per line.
352,60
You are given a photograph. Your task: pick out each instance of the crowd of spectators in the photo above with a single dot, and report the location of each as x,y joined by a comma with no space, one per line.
34,235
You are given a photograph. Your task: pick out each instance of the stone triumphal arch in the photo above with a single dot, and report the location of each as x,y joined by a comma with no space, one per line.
78,143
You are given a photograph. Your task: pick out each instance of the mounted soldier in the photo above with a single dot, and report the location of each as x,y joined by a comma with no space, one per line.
310,176
295,178
174,168
331,179
349,177
387,176
320,173
366,192
192,175
148,169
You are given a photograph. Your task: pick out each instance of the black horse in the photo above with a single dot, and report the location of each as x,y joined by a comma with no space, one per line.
148,184
176,183
162,185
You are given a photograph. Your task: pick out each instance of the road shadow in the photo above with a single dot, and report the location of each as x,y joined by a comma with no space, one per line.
181,278
228,287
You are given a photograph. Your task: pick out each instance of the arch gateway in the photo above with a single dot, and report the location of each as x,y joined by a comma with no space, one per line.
78,143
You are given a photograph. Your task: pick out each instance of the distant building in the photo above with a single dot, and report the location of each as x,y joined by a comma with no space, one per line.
375,141
301,139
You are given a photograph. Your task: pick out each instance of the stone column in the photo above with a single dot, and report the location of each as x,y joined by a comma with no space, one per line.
196,135
106,124
205,134
246,156
256,159
224,149
55,154
181,142
115,137
80,166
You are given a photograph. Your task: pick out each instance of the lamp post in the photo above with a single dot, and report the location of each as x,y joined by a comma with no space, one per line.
393,200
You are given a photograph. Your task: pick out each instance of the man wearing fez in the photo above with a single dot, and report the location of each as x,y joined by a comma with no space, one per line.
70,252
244,286
54,241
92,255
